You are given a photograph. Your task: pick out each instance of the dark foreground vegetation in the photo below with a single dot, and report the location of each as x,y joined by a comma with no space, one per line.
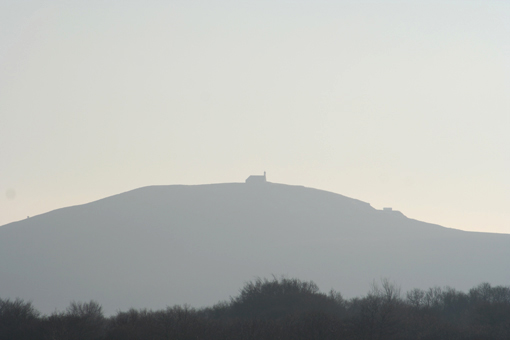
282,309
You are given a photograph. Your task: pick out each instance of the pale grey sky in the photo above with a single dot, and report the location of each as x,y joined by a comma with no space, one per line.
396,103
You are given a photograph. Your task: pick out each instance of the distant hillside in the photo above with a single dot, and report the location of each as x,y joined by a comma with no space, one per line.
165,245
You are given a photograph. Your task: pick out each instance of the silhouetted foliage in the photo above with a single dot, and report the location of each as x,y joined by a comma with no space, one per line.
80,321
277,298
282,309
18,320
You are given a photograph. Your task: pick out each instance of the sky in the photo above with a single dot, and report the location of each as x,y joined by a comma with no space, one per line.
402,104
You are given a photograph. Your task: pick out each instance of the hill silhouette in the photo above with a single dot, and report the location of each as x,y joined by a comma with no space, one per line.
165,245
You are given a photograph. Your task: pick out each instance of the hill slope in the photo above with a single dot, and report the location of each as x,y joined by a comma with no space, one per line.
165,245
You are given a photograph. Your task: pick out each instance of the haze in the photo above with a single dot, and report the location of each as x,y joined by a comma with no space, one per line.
394,103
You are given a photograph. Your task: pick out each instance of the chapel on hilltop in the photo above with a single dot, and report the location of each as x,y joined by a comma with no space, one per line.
255,179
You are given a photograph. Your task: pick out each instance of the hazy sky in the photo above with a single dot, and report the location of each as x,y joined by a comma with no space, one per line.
403,104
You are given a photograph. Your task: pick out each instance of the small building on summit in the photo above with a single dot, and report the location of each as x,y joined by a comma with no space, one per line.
255,179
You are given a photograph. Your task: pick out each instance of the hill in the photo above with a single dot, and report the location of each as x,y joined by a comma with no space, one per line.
164,245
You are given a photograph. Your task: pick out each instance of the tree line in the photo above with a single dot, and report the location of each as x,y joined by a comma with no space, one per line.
281,308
